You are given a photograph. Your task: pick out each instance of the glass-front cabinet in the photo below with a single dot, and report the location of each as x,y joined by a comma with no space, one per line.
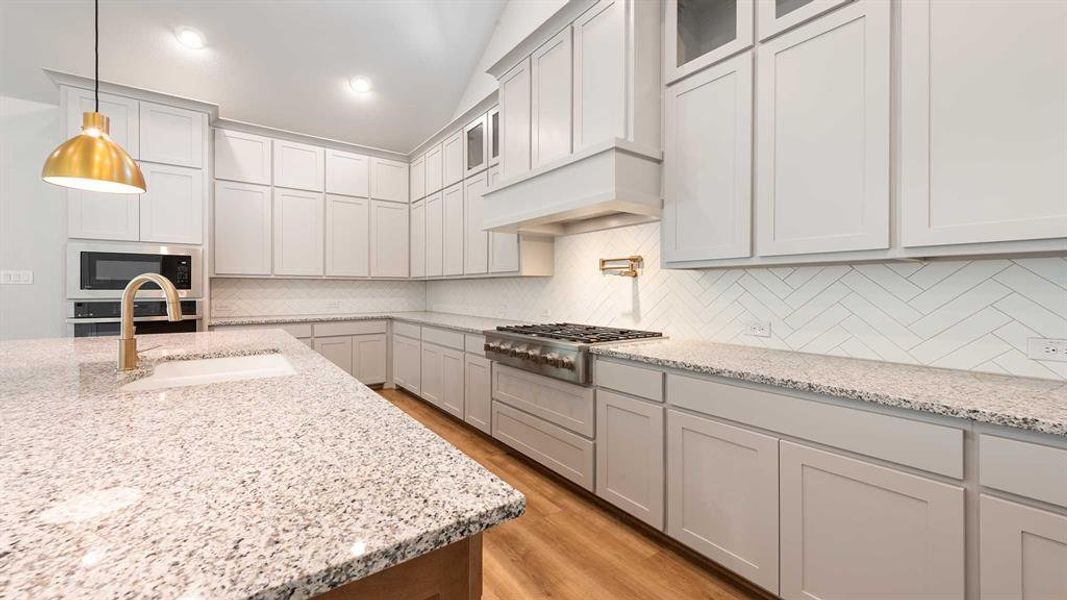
475,155
775,16
700,33
494,135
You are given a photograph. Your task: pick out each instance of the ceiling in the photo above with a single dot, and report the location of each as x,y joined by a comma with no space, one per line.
282,63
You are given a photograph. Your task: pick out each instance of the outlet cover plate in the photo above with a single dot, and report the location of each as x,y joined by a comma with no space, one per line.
1046,349
759,329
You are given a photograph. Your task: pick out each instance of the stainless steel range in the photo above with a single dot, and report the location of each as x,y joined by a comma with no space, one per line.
559,350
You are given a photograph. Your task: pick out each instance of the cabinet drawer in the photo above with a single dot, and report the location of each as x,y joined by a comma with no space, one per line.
565,453
407,330
349,328
933,448
638,381
1023,468
475,344
564,404
443,337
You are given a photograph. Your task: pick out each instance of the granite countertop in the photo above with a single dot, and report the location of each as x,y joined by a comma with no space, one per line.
1019,402
464,323
271,488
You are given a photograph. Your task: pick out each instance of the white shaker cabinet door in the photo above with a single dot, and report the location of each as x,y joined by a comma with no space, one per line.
1023,552
775,16
242,229
434,235
417,176
123,115
434,170
629,455
452,230
983,123
388,180
172,209
707,199
172,136
514,91
418,239
476,243
851,529
452,376
432,386
337,350
477,406
369,355
600,74
102,216
503,247
452,158
389,239
299,166
298,232
242,157
407,370
550,93
347,173
475,146
822,149
722,489
347,236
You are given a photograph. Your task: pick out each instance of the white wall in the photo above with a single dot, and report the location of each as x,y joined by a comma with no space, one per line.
32,220
957,314
519,19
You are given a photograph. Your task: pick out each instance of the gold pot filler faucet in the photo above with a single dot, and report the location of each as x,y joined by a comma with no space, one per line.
127,341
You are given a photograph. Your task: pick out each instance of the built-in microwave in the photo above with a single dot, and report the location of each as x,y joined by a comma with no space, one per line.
102,270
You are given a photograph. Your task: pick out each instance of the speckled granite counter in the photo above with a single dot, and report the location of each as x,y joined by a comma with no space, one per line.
1020,402
270,488
465,323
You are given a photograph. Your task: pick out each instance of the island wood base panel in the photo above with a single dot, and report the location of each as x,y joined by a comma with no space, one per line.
450,573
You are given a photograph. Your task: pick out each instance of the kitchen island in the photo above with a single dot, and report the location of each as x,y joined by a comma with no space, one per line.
280,487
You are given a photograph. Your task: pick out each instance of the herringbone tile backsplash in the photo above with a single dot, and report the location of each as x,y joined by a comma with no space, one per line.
959,314
253,297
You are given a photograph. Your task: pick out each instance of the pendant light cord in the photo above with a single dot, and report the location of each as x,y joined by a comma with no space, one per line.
96,54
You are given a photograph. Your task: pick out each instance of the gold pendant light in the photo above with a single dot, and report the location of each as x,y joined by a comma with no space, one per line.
91,160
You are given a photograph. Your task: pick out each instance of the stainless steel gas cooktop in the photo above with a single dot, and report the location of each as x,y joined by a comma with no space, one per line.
559,350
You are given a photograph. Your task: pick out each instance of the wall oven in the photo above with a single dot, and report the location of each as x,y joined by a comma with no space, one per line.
102,270
95,318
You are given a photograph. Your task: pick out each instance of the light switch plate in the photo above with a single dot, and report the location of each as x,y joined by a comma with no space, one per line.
16,277
759,329
1046,349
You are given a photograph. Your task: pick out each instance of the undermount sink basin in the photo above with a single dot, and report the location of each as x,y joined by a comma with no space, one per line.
184,373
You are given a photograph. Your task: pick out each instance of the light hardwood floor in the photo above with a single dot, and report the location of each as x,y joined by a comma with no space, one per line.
567,545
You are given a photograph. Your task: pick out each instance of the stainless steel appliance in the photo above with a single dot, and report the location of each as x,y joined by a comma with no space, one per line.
102,270
103,318
558,350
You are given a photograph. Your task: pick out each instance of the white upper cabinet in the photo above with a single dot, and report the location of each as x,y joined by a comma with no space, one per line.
172,209
983,121
452,158
493,137
476,241
703,32
475,152
298,166
242,157
822,146
417,175
707,200
514,95
418,239
600,74
101,216
550,108
775,16
434,173
242,242
347,173
123,114
298,232
347,236
452,230
503,247
389,239
388,180
174,136
434,236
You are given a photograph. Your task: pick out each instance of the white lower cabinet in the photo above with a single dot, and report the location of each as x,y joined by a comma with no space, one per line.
407,363
722,491
432,386
172,209
347,236
369,356
337,350
298,232
242,229
1023,552
452,381
568,454
477,395
851,529
629,458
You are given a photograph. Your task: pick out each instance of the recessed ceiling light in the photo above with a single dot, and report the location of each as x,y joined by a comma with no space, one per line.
360,85
190,38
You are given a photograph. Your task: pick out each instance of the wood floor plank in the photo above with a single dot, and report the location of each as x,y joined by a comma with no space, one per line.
567,544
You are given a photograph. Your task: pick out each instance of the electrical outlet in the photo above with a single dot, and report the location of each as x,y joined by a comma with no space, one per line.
16,277
1046,349
759,329
222,307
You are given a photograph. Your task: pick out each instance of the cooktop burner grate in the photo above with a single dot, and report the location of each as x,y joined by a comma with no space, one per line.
574,332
